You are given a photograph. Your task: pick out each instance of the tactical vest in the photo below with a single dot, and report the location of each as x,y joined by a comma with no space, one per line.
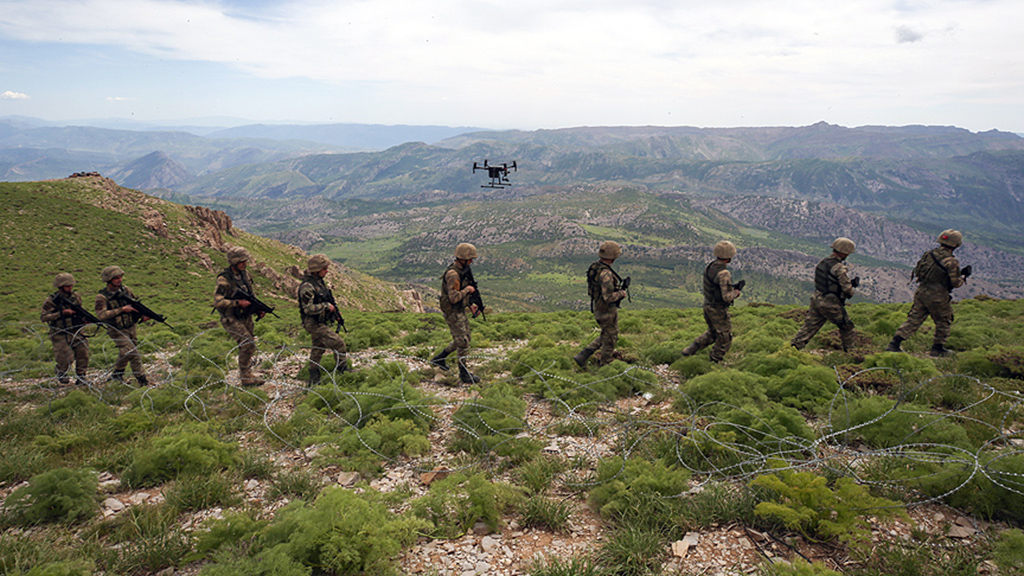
825,281
234,284
929,269
463,275
594,285
116,300
65,323
712,289
321,294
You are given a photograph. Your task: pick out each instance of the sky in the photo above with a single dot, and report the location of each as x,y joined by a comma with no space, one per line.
518,64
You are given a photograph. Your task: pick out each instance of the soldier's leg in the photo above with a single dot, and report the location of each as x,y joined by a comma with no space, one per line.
135,357
609,337
702,341
62,355
80,347
461,336
241,331
723,334
845,329
812,324
916,317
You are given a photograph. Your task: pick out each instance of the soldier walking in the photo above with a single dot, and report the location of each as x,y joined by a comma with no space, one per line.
832,288
318,309
719,294
235,315
121,317
69,342
606,290
455,291
938,273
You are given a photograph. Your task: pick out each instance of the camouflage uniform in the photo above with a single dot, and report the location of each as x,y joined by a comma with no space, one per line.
832,287
69,342
719,294
121,329
604,301
314,300
453,305
938,273
236,320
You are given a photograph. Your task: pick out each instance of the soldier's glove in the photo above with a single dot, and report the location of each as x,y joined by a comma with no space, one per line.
739,285
855,282
626,281
966,271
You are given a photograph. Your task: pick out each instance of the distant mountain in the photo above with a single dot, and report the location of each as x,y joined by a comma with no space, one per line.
156,170
356,136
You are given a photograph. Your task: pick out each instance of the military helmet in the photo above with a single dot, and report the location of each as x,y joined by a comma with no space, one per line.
63,279
725,250
844,245
610,250
237,254
465,251
318,262
951,238
111,272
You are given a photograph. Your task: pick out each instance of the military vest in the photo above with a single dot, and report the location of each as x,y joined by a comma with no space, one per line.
65,323
321,294
929,269
594,284
464,275
825,281
712,288
234,283
117,299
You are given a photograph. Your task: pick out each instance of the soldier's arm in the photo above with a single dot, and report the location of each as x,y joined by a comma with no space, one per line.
306,296
608,292
843,275
220,296
728,292
455,291
50,312
953,266
101,308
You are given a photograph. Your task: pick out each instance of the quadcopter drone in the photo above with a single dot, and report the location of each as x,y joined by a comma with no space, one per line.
498,174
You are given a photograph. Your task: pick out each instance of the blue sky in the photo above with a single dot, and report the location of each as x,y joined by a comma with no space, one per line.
527,64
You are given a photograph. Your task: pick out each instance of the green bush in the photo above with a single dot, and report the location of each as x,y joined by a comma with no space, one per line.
769,429
178,451
76,405
804,502
343,533
632,552
238,562
493,422
883,424
909,367
68,568
193,492
804,387
1008,551
719,391
234,528
455,503
796,568
618,479
61,495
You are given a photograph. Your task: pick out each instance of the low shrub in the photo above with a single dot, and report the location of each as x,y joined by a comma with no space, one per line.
62,495
455,503
618,480
178,450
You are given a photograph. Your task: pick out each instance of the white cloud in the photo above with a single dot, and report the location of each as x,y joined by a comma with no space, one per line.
905,34
9,95
120,99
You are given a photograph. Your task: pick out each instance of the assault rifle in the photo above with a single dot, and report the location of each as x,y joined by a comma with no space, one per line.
255,305
143,311
62,302
475,297
336,315
625,286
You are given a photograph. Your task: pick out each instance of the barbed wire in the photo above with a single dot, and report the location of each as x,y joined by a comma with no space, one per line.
587,432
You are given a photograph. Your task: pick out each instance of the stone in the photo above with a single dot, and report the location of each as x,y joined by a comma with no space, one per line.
481,529
113,504
487,544
348,479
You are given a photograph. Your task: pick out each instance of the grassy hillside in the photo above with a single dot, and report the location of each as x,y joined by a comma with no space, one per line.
865,462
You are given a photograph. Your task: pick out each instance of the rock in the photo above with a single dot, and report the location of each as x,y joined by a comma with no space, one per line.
487,544
960,532
348,479
428,477
481,529
139,498
251,484
681,547
113,504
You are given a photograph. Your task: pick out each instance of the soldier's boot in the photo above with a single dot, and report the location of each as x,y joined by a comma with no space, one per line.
248,380
690,350
583,356
314,376
465,376
894,344
439,362
341,364
116,376
939,350
80,380
142,380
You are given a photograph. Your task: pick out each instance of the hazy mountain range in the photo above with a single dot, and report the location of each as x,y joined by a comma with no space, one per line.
666,192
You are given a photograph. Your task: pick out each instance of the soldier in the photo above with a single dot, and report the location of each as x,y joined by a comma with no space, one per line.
832,288
719,294
606,290
234,314
317,309
455,291
938,273
69,342
120,317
